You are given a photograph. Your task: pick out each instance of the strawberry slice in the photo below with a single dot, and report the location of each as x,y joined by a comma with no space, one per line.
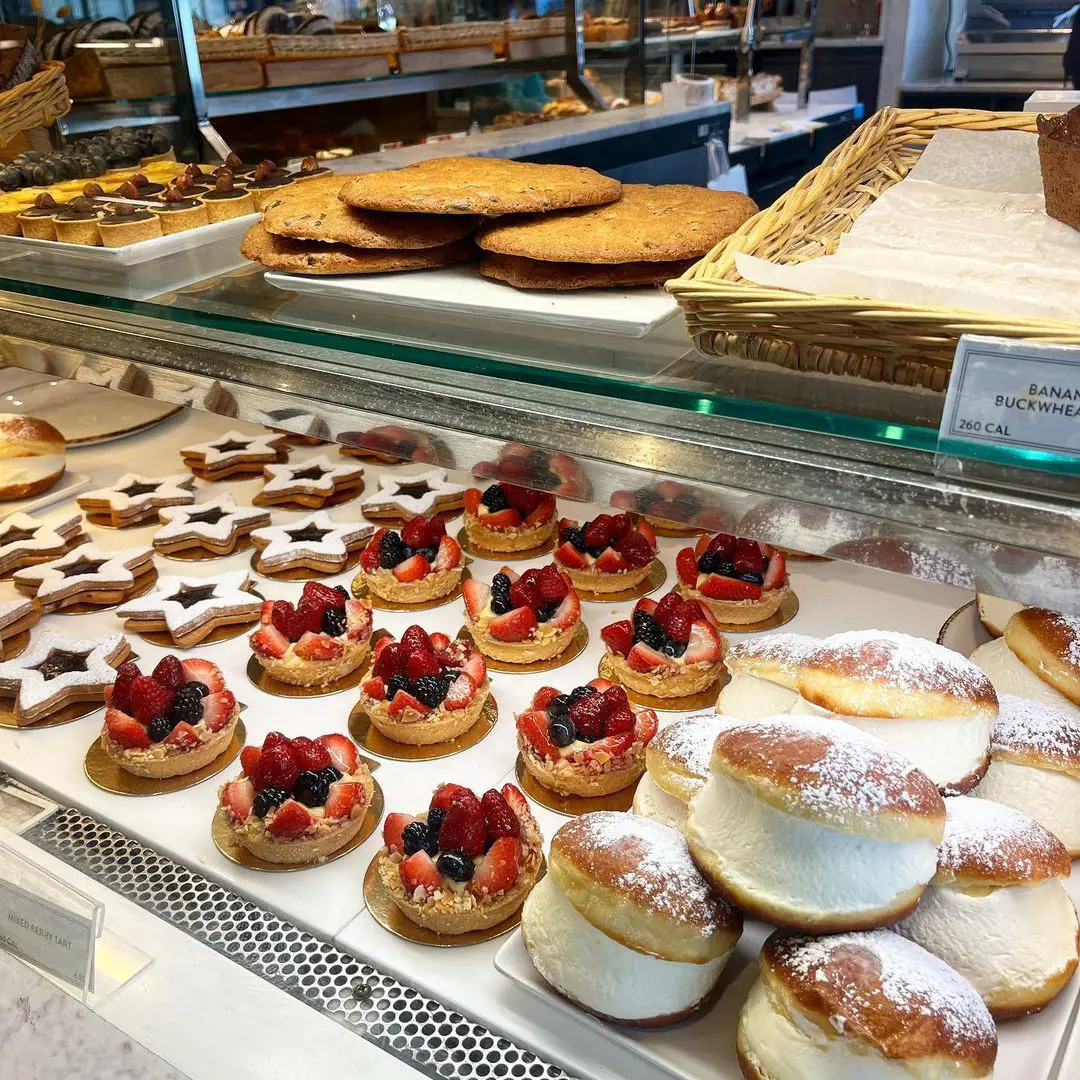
542,512
498,870
569,556
612,746
449,554
344,796
544,697
421,663
269,641
369,557
516,625
472,500
217,710
464,828
446,794
602,686
611,562
319,647
513,575
776,572
374,688
476,595
686,567
704,646
716,587
390,658
619,637
412,569
237,797
475,667
518,803
533,726
248,756
265,612
357,620
420,876
568,612
439,643
393,827
645,726
291,820
183,737
647,531
460,693
404,700
702,613
198,670
126,730
643,658
502,519
417,534
648,605
748,557
342,751
702,545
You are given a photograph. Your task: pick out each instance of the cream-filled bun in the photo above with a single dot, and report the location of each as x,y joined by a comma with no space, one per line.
676,768
624,925
1035,766
871,1006
815,825
32,456
995,612
1037,657
931,704
764,676
996,911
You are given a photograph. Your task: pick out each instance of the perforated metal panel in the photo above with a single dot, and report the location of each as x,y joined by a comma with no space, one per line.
395,1017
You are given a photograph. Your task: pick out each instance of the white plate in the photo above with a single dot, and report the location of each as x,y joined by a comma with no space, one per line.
69,484
963,631
461,291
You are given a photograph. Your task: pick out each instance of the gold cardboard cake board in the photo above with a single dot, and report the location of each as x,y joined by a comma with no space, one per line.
14,646
69,713
304,573
652,581
787,611
197,553
389,916
572,805
703,699
311,502
104,773
360,591
506,556
374,741
576,647
143,584
225,841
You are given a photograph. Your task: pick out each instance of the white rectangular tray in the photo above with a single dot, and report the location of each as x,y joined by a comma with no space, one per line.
462,292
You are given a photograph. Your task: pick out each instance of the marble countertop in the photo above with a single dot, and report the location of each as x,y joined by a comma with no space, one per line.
784,120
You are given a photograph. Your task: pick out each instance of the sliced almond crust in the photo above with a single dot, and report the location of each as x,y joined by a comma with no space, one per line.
689,680
316,672
518,538
579,781
442,726
523,652
595,581
430,587
178,764
742,612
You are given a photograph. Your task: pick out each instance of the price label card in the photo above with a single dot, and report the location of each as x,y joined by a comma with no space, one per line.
43,932
1014,402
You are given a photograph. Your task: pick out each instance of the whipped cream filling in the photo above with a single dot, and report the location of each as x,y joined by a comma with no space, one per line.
788,1046
652,801
587,965
797,867
1010,675
28,470
749,698
1052,798
1010,939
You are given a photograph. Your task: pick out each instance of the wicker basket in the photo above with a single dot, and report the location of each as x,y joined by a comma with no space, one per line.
234,47
38,102
451,36
873,339
524,29
312,46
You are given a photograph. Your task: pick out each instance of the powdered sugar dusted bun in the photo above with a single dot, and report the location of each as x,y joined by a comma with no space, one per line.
32,453
679,757
809,823
996,910
776,657
1048,643
872,1005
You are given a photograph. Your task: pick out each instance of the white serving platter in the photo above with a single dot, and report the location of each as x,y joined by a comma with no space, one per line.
963,631
461,292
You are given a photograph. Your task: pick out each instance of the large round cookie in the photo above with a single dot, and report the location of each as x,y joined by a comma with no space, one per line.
479,185
314,257
651,223
533,274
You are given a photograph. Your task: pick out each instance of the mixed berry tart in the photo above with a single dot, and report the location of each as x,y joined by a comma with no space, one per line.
740,581
587,742
507,517
467,863
608,554
666,649
425,688
521,618
298,800
171,722
323,638
417,564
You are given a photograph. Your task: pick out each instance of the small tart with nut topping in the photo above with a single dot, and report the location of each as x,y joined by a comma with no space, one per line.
508,517
608,553
417,564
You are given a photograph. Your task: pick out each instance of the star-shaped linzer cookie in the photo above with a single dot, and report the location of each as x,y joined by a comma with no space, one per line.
25,541
312,543
217,526
135,498
401,497
87,575
310,484
57,671
234,454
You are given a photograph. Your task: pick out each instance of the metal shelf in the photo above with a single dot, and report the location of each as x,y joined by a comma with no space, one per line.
705,40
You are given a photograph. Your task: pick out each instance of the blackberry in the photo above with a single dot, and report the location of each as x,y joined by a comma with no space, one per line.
334,621
558,707
674,648
343,591
500,594
160,728
268,799
495,499
644,499
580,692
595,551
574,537
197,688
414,838
647,630
186,707
311,788
545,611
691,504
391,550
455,865
430,689
429,553
396,683
562,731
331,774
434,820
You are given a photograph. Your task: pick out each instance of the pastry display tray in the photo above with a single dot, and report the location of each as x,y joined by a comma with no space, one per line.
462,292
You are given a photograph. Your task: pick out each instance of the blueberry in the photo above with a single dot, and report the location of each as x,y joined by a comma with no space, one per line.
331,774
707,563
674,648
558,707
429,553
580,692
267,799
595,551
545,611
455,865
196,687
754,579
562,731
414,837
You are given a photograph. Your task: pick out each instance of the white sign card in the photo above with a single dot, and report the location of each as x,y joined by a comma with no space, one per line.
47,935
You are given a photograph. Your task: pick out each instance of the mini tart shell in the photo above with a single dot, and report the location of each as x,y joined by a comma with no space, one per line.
742,612
578,780
437,727
691,679
383,584
179,764
79,231
174,221
446,919
595,581
37,226
523,652
129,232
224,209
295,671
516,538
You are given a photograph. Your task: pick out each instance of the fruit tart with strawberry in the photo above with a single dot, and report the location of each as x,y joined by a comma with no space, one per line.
467,863
587,742
320,640
425,688
666,649
508,517
298,800
172,722
522,618
740,581
608,554
417,564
